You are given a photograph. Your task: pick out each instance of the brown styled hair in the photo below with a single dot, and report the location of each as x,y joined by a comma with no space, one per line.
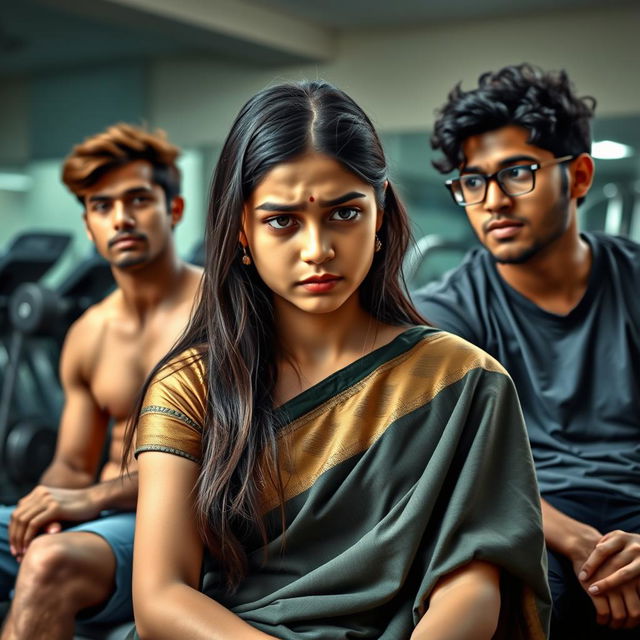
121,144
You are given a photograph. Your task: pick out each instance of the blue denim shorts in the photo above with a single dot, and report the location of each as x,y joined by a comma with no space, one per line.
117,529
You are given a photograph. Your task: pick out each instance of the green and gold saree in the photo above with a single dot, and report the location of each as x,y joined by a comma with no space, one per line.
406,464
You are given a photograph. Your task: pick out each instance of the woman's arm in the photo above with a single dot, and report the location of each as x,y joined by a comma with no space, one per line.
167,559
464,605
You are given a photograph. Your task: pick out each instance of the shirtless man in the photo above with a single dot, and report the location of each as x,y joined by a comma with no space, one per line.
129,186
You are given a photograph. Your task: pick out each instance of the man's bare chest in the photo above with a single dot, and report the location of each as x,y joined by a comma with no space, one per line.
121,364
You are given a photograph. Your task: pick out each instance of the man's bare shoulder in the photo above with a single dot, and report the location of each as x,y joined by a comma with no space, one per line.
96,316
85,334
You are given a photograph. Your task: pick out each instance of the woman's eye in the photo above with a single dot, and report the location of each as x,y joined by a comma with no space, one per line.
345,214
281,222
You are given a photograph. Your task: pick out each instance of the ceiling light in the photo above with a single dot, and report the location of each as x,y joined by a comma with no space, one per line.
610,150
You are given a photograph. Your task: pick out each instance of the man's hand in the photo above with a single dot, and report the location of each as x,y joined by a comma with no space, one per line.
610,562
614,561
45,508
618,608
611,574
580,546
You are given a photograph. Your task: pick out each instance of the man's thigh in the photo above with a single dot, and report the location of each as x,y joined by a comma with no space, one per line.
117,529
602,510
573,613
619,512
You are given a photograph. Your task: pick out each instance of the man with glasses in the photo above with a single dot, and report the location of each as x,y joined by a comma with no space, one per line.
516,180
560,309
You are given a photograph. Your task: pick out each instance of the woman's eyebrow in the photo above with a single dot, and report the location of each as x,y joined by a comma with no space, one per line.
283,208
290,208
352,195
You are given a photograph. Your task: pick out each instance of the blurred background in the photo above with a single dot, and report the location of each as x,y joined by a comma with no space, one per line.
69,68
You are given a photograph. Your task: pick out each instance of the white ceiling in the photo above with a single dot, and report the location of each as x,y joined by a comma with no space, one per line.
42,35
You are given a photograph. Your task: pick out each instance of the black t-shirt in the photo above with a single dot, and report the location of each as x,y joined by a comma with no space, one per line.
578,375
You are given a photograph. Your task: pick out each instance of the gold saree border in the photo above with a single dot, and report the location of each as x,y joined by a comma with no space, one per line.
324,437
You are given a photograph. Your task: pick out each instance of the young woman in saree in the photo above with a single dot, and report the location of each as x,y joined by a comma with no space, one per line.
314,462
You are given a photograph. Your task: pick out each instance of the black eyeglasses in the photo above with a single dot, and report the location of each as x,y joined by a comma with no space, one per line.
471,188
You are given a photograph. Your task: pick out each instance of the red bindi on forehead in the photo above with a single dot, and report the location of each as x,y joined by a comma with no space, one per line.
312,199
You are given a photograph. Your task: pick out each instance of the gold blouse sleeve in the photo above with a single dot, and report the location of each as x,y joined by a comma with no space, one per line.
173,410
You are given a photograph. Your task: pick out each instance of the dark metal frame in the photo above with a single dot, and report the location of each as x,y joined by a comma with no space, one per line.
535,166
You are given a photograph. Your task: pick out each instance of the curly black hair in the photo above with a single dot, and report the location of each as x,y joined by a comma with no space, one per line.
542,102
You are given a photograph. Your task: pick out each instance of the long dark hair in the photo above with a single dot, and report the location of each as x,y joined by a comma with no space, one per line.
232,328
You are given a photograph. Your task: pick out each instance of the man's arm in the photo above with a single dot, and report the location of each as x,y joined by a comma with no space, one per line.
567,536
118,493
83,424
45,508
66,491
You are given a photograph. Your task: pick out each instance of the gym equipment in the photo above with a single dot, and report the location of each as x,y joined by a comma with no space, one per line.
31,398
28,257
37,310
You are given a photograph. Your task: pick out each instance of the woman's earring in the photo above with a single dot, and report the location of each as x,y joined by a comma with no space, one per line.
378,245
246,258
